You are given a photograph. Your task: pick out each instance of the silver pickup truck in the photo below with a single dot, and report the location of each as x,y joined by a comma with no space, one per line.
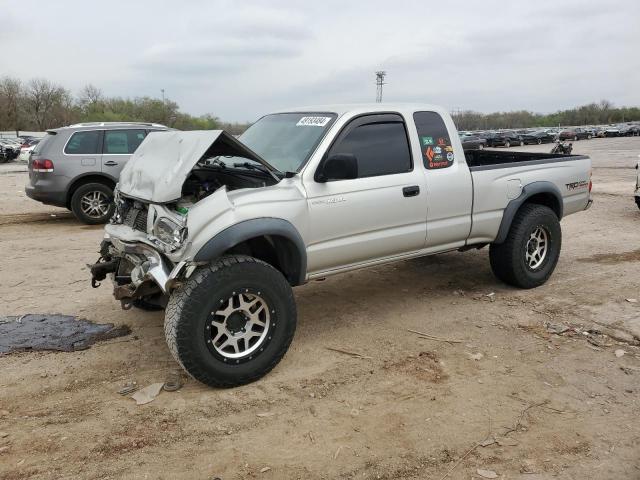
216,230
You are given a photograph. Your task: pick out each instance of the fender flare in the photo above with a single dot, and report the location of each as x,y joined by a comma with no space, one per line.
528,191
257,227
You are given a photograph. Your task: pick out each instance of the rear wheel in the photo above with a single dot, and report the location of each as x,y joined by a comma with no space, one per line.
575,138
507,143
92,203
539,141
522,143
231,322
529,254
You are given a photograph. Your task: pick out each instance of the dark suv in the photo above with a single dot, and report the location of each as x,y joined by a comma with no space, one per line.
77,166
576,134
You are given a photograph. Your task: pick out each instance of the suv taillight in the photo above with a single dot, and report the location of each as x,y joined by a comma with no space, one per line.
43,165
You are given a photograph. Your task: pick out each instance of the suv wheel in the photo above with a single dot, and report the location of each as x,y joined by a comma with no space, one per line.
92,203
507,143
231,322
531,250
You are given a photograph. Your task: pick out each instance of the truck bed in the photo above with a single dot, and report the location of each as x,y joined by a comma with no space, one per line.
500,176
490,159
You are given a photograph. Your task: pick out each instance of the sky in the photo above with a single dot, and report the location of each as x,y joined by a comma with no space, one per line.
239,60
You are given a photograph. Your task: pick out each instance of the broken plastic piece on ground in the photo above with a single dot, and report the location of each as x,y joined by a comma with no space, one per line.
556,328
64,333
487,473
147,394
128,387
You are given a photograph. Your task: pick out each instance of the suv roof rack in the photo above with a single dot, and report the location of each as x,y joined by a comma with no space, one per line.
107,124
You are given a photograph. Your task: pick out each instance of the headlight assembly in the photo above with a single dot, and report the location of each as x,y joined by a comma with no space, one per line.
169,232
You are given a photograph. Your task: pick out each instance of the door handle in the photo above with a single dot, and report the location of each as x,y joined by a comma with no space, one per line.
110,163
411,191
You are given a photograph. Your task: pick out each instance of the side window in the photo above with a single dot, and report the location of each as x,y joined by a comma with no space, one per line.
83,143
381,148
435,144
122,141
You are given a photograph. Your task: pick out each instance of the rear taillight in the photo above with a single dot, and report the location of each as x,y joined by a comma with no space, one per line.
43,165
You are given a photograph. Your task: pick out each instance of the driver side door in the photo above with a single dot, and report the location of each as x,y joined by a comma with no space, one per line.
381,213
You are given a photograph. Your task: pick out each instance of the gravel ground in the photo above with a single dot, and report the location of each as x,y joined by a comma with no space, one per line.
512,397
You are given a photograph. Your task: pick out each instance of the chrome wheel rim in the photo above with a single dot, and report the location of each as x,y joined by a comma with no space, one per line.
94,204
239,326
537,247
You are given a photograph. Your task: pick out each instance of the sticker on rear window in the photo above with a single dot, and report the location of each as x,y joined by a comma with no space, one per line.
313,121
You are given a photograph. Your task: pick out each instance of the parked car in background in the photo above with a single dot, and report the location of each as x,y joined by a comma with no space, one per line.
27,148
472,142
628,130
78,166
9,149
537,137
637,193
612,131
503,139
575,134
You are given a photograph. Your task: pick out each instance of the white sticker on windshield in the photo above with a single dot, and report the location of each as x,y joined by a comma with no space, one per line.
313,121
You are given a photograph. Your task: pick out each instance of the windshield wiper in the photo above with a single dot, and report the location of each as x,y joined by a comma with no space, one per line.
260,168
218,162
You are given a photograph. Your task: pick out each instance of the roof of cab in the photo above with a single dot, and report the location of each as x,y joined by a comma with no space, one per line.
358,108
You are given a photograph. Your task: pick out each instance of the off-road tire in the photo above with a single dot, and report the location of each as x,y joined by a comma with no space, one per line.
80,192
189,309
508,258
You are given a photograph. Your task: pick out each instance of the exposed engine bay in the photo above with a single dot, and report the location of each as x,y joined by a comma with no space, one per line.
207,177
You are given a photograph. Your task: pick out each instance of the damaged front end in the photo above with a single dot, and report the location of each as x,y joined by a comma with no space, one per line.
137,272
143,251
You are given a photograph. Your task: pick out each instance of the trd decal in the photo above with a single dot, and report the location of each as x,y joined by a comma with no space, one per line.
575,185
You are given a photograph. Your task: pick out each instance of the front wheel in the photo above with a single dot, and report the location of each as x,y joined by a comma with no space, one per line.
507,144
231,322
529,254
92,203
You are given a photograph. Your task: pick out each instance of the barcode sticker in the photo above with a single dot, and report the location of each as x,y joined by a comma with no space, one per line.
313,121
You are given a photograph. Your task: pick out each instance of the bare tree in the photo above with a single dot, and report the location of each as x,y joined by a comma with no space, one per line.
11,93
90,94
42,99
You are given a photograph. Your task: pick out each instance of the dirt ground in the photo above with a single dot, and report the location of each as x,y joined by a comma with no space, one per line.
558,406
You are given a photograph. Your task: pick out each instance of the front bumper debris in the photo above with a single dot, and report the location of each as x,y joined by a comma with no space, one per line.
136,269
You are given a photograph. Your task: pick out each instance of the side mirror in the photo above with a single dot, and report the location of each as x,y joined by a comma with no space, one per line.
339,166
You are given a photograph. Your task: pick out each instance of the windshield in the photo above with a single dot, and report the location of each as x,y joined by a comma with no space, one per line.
285,140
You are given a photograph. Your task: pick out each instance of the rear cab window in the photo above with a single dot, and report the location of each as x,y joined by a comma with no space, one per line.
83,143
122,142
435,144
379,143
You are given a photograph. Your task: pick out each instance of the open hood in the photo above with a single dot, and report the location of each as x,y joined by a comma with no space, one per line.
158,168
